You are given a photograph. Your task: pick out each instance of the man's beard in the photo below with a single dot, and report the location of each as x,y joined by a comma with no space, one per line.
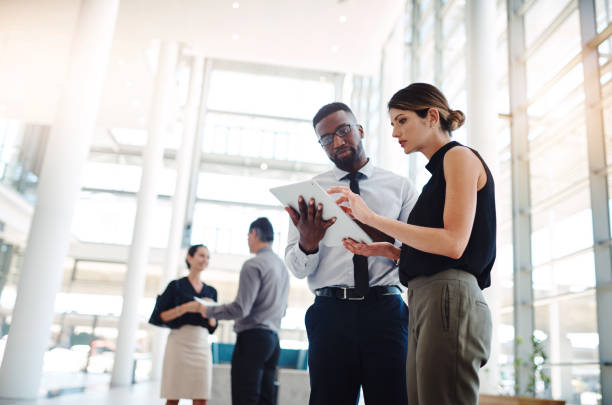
347,162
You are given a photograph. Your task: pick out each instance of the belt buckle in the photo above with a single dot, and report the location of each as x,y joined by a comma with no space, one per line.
354,298
346,297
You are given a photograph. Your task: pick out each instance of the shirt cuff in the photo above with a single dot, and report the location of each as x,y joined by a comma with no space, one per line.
306,259
211,312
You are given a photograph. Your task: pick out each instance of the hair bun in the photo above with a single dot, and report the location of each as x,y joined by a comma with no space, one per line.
455,119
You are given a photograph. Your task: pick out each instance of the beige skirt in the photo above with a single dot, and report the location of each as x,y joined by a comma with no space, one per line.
187,370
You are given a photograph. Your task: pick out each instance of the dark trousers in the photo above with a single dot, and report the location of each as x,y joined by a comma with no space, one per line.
357,343
254,364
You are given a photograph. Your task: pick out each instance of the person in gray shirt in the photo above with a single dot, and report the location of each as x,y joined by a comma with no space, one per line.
260,303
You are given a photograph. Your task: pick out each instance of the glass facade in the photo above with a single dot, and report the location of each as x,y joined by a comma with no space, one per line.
256,133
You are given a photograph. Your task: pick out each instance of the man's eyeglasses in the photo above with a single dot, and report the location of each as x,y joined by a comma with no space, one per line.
341,132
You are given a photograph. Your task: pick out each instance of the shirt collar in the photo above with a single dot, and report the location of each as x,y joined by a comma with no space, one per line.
437,157
264,249
366,170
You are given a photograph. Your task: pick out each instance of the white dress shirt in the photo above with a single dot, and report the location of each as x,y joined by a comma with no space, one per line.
387,194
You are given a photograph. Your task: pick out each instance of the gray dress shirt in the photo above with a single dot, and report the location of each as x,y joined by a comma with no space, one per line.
262,295
387,194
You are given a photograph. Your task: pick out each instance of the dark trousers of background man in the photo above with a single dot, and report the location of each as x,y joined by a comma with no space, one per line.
357,343
254,364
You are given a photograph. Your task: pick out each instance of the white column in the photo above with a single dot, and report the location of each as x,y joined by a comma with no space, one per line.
179,200
390,155
58,189
481,125
133,286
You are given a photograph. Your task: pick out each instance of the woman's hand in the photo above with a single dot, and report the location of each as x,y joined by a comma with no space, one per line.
191,306
383,249
357,208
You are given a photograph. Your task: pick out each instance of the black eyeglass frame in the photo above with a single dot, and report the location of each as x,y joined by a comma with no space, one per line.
337,132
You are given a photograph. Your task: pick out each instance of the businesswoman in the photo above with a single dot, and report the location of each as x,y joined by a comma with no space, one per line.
447,253
187,367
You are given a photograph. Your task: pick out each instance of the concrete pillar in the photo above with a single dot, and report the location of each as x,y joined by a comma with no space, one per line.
58,189
481,125
133,286
179,200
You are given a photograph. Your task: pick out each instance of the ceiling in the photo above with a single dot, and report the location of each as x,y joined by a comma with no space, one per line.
322,35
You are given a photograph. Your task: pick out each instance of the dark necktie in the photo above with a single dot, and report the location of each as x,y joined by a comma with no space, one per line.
360,263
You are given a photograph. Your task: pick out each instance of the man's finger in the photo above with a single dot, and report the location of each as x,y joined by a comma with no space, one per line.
319,214
303,208
328,223
311,208
295,217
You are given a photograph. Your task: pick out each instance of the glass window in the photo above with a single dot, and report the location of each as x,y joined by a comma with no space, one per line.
558,150
224,228
268,138
125,177
506,351
568,330
606,85
603,9
252,188
554,54
539,17
275,96
568,327
109,218
576,384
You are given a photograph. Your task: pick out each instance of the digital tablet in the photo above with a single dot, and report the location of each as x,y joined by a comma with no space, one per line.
344,227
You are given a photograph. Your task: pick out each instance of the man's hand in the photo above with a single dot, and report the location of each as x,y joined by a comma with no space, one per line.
310,224
202,310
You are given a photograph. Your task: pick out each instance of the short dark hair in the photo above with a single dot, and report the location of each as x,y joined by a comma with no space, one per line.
263,229
328,109
192,251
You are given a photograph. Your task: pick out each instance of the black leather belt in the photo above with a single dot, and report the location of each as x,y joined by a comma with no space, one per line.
350,294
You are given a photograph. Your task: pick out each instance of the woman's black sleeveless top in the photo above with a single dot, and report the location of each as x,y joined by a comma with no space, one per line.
428,211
